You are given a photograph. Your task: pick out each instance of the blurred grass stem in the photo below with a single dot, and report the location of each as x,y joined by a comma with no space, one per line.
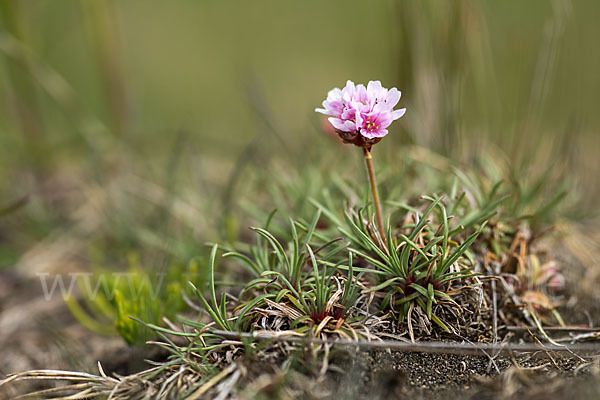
105,39
24,96
371,172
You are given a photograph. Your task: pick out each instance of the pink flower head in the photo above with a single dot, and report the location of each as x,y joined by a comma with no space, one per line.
362,115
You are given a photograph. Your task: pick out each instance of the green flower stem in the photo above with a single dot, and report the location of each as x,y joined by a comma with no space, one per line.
371,172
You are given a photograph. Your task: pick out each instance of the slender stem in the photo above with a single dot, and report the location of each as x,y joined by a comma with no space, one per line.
371,171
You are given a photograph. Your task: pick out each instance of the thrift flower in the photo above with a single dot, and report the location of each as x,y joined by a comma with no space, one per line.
361,115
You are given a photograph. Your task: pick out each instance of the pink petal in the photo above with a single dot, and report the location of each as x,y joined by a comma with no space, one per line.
374,134
393,97
348,91
334,94
360,94
345,126
373,89
398,113
359,119
383,120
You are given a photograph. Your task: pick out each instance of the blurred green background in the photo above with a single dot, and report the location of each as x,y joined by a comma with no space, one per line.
126,124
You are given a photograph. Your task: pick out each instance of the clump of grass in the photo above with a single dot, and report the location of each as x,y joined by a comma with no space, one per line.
418,262
309,298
